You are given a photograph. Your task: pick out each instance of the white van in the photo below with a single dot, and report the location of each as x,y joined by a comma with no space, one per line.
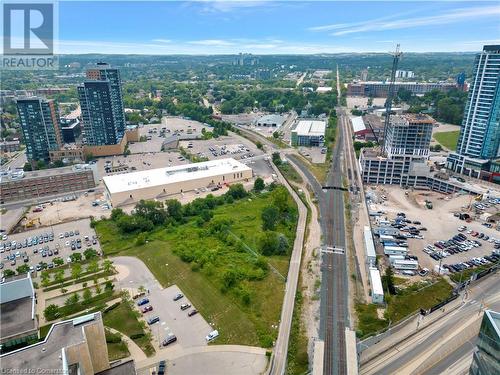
212,335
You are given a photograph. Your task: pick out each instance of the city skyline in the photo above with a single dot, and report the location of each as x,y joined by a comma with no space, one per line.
272,27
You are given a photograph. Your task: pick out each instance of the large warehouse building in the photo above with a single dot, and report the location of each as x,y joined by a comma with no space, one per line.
309,133
128,188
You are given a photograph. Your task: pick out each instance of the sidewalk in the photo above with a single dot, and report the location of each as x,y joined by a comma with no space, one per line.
136,352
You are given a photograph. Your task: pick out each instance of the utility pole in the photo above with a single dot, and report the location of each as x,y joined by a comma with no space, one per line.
390,94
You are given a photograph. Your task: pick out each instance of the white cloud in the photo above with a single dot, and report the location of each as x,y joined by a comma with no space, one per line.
226,6
393,23
162,40
212,42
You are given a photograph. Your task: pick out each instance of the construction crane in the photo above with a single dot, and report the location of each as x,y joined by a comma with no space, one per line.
390,93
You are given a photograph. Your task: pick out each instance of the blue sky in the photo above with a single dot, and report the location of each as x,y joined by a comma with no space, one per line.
272,27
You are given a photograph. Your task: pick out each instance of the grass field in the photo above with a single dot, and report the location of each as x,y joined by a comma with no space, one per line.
400,306
124,320
448,139
290,173
237,322
117,349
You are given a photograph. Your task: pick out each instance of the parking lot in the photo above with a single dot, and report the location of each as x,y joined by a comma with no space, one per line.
230,146
441,225
189,330
45,244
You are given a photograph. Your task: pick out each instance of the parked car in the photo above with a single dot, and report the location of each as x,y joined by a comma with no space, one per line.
135,296
212,335
169,339
193,312
143,302
153,320
185,306
161,367
178,296
147,309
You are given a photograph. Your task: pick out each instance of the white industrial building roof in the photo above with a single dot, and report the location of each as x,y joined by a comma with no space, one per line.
323,89
278,120
376,281
369,245
163,176
357,124
310,128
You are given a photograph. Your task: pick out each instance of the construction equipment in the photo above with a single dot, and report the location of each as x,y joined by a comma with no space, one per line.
31,223
390,94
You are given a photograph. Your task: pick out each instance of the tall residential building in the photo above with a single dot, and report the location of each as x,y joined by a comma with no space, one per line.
486,358
479,141
40,126
102,106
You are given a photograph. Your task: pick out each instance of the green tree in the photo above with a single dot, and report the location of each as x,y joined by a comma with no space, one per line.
107,265
59,276
51,312
270,218
45,276
237,191
268,243
152,211
58,261
259,184
87,295
72,300
76,257
259,145
276,158
93,266
23,268
279,198
116,213
90,253
388,281
108,286
174,209
8,273
76,271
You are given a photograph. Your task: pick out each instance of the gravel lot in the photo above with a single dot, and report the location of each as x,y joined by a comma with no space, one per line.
440,222
83,226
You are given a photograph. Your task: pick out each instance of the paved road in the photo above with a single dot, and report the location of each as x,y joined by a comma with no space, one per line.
436,345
